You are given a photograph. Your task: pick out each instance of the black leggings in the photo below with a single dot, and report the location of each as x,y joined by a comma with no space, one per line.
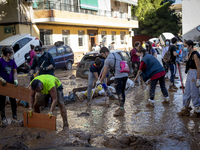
2,106
120,85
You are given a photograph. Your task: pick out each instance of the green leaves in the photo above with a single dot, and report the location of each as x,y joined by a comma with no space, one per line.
156,17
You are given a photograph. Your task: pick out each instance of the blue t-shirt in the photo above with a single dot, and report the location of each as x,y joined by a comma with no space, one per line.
94,68
6,69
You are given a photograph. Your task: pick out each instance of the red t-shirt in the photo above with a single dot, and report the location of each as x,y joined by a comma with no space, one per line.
155,76
135,58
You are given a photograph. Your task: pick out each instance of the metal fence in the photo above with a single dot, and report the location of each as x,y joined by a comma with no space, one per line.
78,9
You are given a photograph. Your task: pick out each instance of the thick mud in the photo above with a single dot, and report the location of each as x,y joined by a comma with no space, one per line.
140,128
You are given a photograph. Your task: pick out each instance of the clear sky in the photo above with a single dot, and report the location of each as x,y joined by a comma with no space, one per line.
178,2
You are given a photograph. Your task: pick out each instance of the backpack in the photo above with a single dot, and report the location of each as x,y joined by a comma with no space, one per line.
167,57
27,57
123,65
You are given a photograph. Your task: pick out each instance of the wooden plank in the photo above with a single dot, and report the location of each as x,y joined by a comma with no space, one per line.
17,92
39,121
79,89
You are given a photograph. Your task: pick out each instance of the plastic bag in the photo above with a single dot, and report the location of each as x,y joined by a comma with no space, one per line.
112,89
102,92
124,67
129,83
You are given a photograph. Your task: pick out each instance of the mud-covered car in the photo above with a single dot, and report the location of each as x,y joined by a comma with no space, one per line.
89,58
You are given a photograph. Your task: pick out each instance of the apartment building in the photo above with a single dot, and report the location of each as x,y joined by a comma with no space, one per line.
79,23
190,19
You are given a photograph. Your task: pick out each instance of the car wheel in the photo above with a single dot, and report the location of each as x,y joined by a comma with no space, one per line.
69,65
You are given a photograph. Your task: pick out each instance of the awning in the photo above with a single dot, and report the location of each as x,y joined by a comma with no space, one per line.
35,4
89,4
133,2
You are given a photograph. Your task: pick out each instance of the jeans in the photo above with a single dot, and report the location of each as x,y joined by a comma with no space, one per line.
120,85
173,72
191,90
135,66
91,79
162,86
2,106
166,67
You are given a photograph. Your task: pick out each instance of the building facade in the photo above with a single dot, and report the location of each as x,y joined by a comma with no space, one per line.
190,19
79,23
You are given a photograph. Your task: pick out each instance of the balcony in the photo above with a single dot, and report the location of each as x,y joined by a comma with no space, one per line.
77,9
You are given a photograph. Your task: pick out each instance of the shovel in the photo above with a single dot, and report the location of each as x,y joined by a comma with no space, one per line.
85,113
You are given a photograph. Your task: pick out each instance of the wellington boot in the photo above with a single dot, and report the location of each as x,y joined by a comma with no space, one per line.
174,86
166,100
119,112
196,113
150,103
171,89
185,112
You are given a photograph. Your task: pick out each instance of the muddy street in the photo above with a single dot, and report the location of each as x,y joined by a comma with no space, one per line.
140,128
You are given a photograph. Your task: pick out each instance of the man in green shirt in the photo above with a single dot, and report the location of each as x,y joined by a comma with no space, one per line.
47,86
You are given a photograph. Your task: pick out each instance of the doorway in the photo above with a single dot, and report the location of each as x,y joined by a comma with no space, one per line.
93,35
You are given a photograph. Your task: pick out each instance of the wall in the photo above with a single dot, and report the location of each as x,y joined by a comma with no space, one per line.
57,36
191,19
9,11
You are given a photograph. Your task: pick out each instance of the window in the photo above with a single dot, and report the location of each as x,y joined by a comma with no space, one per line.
61,51
16,47
24,41
46,36
113,36
81,38
122,37
103,37
52,51
66,37
68,50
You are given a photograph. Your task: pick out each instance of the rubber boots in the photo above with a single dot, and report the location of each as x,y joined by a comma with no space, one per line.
196,113
150,103
185,111
119,112
174,86
166,100
171,88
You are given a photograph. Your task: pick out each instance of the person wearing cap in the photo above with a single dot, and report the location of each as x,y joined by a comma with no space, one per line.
40,57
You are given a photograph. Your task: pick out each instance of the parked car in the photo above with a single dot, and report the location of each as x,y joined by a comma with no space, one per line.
21,45
164,36
62,55
89,58
159,54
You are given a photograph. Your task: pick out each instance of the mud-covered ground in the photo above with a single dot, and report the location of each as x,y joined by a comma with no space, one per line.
139,128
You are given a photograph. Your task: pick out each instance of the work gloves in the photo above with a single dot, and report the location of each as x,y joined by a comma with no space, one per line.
32,77
15,82
3,82
30,112
198,83
50,114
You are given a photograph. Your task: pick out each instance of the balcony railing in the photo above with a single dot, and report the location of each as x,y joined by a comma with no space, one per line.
78,9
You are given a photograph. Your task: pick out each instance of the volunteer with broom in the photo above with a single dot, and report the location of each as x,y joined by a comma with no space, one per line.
192,83
152,69
95,72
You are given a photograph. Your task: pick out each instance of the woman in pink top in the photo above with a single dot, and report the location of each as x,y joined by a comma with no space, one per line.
32,55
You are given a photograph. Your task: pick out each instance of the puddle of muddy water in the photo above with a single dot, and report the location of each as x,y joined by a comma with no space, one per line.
160,125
